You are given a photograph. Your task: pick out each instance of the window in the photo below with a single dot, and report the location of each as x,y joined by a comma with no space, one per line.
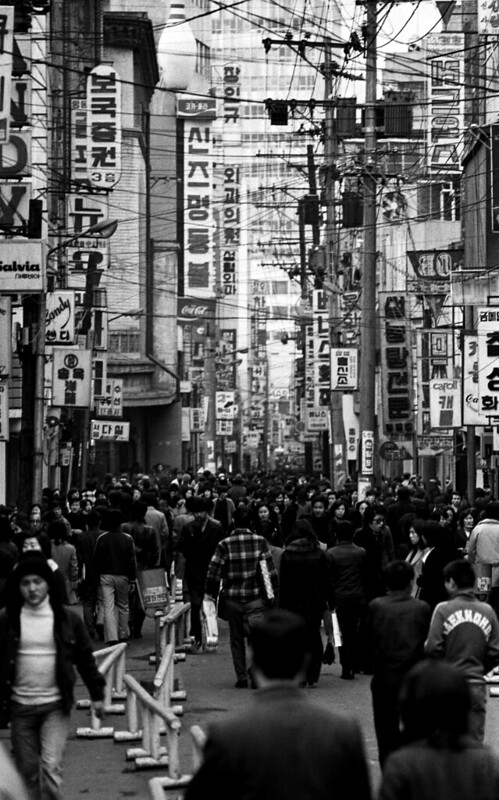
124,341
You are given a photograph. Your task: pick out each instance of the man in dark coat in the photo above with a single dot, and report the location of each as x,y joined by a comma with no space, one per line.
283,747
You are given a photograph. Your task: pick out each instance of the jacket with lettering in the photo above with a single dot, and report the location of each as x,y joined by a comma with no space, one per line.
465,632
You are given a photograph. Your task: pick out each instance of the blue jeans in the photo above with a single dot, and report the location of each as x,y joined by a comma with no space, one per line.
38,735
115,599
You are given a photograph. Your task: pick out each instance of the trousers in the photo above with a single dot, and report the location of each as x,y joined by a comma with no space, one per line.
38,736
115,600
241,617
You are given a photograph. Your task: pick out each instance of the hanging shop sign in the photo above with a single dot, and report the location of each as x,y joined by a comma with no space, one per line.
5,337
196,420
367,453
471,398
21,266
344,369
103,111
6,63
316,419
322,355
432,270
225,407
445,403
445,58
60,318
4,410
71,377
110,431
111,402
86,210
436,360
488,363
396,364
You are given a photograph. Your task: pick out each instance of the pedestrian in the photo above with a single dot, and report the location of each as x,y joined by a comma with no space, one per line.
116,566
304,587
441,551
397,625
464,631
197,542
482,550
236,564
64,555
146,553
439,759
164,536
41,643
418,550
283,746
88,587
348,597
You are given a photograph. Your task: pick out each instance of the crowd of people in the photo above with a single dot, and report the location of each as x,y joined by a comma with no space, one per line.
395,569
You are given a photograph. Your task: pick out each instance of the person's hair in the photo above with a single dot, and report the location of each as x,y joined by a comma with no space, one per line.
93,518
403,493
302,529
279,644
208,504
57,531
434,704
467,512
243,518
461,572
375,510
337,504
398,575
138,511
319,498
344,531
492,510
431,531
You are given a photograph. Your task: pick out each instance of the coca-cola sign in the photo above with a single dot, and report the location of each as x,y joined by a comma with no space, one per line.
190,309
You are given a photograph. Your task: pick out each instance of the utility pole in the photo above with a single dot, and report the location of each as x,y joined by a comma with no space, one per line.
368,302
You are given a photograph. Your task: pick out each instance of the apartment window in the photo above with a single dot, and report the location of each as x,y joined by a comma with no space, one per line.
202,59
124,341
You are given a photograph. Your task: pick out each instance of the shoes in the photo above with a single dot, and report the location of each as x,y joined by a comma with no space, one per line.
242,684
347,675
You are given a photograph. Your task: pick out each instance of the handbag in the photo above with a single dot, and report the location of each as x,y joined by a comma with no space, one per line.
153,591
266,587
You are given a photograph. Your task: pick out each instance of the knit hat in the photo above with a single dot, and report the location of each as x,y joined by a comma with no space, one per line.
33,564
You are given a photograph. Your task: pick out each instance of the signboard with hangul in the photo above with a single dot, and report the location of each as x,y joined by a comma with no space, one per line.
436,350
225,405
445,403
316,419
84,211
488,362
251,439
60,318
5,337
103,119
111,404
111,431
471,400
4,411
6,63
197,420
322,363
225,427
71,377
396,364
344,369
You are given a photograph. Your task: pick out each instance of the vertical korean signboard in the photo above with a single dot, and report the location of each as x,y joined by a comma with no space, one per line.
72,377
396,362
445,54
103,127
322,365
231,209
488,363
198,224
6,59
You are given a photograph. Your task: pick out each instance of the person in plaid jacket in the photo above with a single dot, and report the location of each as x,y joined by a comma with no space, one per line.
243,563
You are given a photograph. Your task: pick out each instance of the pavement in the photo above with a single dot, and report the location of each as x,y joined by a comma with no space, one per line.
97,768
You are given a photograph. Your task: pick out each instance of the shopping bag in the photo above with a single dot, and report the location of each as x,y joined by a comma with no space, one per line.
153,590
336,630
209,625
265,581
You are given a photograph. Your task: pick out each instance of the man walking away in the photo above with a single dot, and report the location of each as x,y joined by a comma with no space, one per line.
41,643
465,632
115,564
282,747
397,625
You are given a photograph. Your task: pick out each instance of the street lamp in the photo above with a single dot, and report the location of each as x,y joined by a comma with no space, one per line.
103,230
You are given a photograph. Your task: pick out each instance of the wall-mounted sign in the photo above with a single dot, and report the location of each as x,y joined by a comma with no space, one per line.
344,369
396,362
4,411
5,337
445,403
488,363
111,431
21,266
103,127
60,318
367,453
6,59
71,377
445,56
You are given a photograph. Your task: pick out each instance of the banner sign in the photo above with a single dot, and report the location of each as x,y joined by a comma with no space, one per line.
5,337
191,310
471,399
71,377
432,269
396,364
322,356
445,56
445,403
60,318
435,360
367,453
488,363
110,431
6,63
103,151
4,411
198,224
21,266
344,369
